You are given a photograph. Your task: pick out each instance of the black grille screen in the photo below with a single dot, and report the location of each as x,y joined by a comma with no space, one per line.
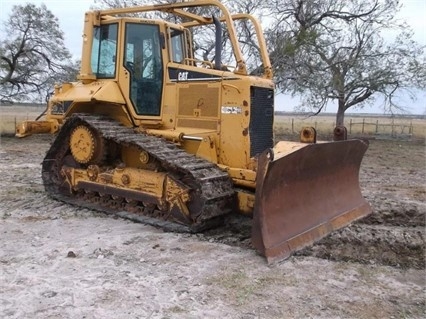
261,120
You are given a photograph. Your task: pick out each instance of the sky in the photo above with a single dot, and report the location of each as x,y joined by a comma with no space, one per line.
71,16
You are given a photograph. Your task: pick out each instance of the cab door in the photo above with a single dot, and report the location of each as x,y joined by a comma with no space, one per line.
143,61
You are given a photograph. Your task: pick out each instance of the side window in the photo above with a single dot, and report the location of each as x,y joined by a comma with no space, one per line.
104,51
177,39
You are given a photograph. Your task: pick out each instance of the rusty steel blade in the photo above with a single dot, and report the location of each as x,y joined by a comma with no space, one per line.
304,194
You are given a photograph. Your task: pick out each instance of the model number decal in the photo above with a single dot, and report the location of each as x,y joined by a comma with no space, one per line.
231,110
182,76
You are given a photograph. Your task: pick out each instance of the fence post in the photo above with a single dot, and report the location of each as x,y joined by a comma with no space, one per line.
350,126
363,122
410,130
393,128
292,126
377,126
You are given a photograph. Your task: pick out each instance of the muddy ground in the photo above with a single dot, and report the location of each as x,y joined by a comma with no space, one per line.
59,261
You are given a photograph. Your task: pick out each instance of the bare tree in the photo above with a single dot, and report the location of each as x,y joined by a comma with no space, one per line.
33,54
327,50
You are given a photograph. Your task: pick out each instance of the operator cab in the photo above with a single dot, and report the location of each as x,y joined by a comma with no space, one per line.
143,54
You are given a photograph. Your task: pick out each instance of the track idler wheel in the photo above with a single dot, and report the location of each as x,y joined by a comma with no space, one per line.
86,145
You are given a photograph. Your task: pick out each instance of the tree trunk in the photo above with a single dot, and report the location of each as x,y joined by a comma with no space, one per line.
340,116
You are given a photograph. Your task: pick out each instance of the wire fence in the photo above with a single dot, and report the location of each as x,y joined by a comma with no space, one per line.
394,129
385,127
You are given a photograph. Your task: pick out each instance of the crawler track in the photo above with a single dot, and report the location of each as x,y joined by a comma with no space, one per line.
212,192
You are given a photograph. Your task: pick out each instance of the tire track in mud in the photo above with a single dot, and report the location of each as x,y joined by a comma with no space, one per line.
391,246
398,214
392,179
393,240
393,235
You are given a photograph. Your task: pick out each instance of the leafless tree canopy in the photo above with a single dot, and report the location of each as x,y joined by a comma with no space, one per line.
32,55
326,50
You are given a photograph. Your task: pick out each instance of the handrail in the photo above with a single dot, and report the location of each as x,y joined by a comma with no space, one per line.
259,33
175,8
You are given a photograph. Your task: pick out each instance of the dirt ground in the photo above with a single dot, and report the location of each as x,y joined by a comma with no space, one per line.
59,261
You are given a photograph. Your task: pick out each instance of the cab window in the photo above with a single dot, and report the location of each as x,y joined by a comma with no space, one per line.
177,40
104,51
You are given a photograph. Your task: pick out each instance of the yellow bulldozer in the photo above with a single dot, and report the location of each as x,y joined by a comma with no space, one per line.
151,133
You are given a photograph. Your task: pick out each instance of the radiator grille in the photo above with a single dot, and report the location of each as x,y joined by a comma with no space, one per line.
261,120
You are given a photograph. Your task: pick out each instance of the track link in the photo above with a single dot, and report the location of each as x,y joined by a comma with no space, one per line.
212,191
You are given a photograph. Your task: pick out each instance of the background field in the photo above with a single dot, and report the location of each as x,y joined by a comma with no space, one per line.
13,114
367,125
287,126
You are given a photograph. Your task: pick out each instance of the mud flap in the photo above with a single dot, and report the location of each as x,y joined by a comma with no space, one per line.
304,192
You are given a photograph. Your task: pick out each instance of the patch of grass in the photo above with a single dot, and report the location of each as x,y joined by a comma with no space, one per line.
6,215
243,288
419,193
177,310
238,284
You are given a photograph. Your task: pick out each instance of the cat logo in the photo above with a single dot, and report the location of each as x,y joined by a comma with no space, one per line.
182,76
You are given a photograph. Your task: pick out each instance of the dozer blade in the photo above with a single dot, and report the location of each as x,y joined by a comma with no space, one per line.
304,192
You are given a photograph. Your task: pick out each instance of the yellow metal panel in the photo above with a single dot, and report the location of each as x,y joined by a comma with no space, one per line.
199,96
102,90
27,128
284,148
195,123
110,92
245,202
235,118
